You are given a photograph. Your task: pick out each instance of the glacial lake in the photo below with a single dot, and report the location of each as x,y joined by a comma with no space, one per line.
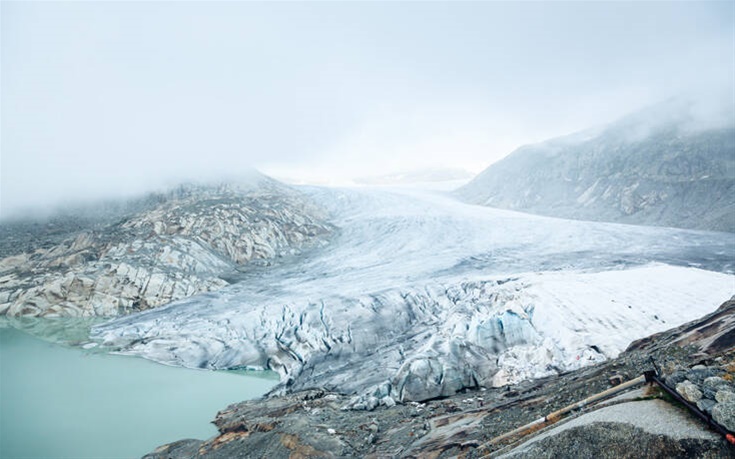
64,402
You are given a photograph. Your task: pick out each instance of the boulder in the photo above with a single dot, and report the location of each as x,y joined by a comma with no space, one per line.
689,391
724,414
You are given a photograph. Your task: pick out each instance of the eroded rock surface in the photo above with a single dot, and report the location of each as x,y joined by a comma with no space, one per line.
714,335
588,437
181,243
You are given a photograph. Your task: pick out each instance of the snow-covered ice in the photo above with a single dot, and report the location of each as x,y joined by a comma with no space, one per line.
420,295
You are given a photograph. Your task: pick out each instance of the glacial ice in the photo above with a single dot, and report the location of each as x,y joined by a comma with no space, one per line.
419,296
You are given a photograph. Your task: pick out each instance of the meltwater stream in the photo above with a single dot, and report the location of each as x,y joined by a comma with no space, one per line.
62,402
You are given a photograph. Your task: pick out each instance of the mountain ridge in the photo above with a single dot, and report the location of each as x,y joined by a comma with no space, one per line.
145,253
639,170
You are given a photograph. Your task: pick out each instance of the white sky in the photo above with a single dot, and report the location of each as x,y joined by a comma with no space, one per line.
104,98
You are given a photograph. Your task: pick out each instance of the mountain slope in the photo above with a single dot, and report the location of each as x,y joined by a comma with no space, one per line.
654,167
169,246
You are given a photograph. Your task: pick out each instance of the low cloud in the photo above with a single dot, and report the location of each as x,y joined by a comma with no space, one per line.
103,99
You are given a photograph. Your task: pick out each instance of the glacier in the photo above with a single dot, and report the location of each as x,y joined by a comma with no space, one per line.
419,296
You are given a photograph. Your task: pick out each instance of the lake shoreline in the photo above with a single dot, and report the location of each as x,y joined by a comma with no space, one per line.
59,400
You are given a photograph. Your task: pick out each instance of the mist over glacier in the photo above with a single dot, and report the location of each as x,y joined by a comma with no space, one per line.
118,98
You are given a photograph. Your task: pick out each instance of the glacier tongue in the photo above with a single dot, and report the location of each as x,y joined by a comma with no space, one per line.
421,296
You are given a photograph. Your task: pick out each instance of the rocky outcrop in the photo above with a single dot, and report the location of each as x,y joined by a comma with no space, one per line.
654,167
650,429
190,240
713,334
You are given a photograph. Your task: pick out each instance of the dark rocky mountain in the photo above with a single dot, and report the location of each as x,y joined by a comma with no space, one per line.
661,166
123,257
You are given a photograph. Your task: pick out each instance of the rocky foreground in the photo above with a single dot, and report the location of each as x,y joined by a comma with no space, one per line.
697,359
161,248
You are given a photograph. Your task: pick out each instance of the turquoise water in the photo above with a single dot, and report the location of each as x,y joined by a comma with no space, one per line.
62,402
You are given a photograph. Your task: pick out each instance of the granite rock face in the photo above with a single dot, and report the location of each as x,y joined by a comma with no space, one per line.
187,241
654,167
713,334
612,440
658,428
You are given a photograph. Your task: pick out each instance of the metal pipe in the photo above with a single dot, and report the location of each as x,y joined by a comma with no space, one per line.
648,376
557,415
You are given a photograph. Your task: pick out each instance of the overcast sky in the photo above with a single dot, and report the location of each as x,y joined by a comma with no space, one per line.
102,98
